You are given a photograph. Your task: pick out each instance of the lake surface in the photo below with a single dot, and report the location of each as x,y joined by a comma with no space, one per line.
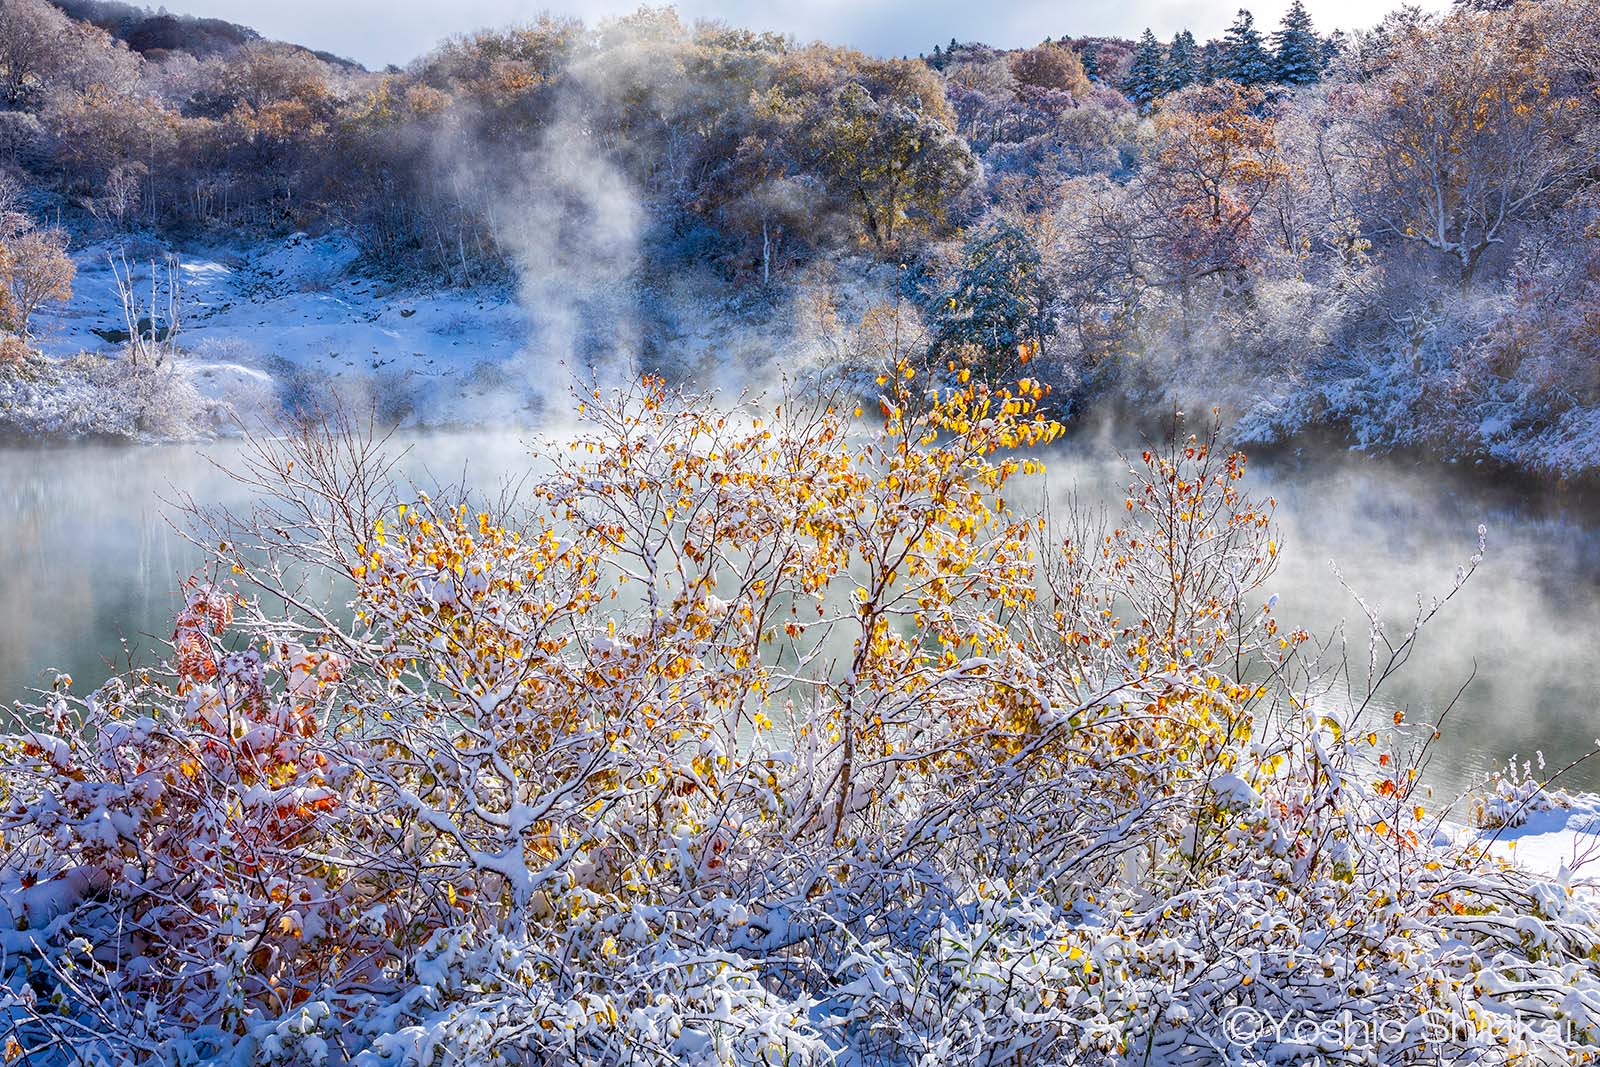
90,565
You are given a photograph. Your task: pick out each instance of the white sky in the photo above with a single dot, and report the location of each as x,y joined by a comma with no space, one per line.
377,32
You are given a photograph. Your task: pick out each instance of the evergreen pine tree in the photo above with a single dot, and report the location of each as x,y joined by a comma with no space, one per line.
1145,74
1089,53
1332,45
1245,57
994,306
1211,62
1299,49
1183,63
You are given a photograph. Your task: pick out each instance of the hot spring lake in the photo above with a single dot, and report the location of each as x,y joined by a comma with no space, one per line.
90,567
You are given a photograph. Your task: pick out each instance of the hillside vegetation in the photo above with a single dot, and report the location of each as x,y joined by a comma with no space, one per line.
1391,232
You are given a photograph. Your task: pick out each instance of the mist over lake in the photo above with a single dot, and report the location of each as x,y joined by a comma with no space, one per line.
98,563
652,541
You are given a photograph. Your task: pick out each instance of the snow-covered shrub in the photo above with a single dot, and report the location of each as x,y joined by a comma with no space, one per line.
1530,384
750,737
14,354
93,396
1511,799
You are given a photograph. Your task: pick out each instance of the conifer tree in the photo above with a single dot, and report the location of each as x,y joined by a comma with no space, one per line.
1089,52
1183,63
999,300
1332,46
1145,75
1299,49
1245,57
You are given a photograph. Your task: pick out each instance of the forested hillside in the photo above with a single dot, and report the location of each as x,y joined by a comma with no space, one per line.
776,708
1391,232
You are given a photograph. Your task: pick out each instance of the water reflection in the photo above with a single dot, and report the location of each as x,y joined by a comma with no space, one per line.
89,561
90,558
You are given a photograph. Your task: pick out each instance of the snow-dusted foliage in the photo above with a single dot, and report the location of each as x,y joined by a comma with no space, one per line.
752,738
93,396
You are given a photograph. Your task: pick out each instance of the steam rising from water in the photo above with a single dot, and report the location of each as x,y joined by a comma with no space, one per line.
568,212
90,559
573,226
576,223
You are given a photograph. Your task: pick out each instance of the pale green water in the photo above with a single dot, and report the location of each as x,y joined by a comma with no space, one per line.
88,561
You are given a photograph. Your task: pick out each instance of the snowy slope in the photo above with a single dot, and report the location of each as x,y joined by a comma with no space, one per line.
293,313
292,321
1561,836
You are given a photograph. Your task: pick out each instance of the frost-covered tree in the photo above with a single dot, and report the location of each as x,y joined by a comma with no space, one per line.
1051,66
1216,164
30,31
42,48
1298,51
1145,76
1089,53
1465,129
35,270
1532,384
1182,68
1245,56
999,302
1333,46
893,162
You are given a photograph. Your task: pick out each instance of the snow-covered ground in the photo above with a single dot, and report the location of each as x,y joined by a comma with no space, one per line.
294,321
1560,839
294,315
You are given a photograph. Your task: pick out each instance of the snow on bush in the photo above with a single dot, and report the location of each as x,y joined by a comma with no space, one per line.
1511,798
92,396
749,738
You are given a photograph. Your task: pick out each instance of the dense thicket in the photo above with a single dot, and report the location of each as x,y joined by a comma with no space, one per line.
753,739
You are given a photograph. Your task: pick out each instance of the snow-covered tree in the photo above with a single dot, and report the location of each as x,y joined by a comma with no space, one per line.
1182,68
1144,81
892,161
1216,164
1332,46
1464,129
1089,53
999,303
1051,66
1298,51
34,270
1244,55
